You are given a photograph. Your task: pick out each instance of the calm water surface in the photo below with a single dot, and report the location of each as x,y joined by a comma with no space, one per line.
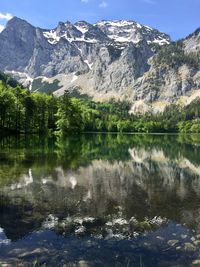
100,200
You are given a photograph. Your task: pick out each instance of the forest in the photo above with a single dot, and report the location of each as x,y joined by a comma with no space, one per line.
38,113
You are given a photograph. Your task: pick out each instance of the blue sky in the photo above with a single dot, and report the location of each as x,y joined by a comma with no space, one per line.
175,17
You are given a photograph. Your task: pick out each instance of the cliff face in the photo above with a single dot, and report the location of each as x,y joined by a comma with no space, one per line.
120,59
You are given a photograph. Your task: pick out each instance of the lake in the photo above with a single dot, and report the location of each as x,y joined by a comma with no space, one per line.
100,200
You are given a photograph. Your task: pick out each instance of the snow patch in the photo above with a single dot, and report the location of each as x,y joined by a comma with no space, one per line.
148,28
89,64
139,25
82,29
120,31
128,31
51,36
116,23
160,42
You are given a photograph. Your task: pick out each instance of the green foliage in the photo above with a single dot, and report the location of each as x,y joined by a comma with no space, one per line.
75,93
192,126
69,115
174,56
8,80
25,112
45,87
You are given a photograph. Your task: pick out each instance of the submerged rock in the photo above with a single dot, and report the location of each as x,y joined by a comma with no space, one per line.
172,243
196,262
197,242
183,236
189,247
83,263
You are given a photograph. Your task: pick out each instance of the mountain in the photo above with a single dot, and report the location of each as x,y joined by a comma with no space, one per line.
109,59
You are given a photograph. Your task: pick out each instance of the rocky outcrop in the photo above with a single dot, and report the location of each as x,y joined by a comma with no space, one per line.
192,42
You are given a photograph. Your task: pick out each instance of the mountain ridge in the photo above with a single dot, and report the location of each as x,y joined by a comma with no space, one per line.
109,59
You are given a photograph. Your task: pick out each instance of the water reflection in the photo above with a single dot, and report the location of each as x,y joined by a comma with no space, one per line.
102,186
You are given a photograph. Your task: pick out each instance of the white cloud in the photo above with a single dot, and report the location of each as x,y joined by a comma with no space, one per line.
103,4
1,28
151,2
84,1
6,16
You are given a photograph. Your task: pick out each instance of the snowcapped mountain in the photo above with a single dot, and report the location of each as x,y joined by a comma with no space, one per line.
130,31
105,31
108,59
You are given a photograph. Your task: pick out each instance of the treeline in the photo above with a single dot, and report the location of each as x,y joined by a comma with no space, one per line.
33,113
23,112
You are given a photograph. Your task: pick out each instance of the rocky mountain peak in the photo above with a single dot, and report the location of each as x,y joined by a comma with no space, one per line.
119,31
16,21
121,59
18,25
67,30
123,31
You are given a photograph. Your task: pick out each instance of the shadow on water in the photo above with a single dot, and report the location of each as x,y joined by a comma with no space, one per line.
100,200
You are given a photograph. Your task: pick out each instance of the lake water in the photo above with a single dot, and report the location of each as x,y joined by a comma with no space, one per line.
100,200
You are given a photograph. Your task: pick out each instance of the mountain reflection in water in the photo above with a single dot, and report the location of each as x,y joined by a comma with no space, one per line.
135,195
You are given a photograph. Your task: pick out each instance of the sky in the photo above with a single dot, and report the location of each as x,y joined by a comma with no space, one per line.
178,18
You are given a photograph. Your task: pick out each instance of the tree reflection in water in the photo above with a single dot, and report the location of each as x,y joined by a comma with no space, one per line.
134,195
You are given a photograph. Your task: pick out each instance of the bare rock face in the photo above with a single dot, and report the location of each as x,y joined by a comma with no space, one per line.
192,42
120,59
17,44
174,72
